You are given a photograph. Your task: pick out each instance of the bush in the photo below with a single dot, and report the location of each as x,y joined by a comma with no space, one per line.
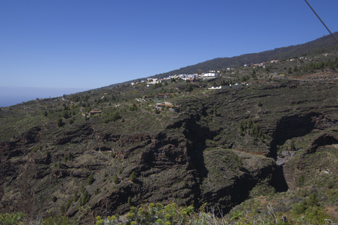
59,122
312,202
133,108
189,88
65,115
115,179
90,179
301,180
159,214
55,220
132,177
69,202
111,117
11,218
85,198
76,196
97,191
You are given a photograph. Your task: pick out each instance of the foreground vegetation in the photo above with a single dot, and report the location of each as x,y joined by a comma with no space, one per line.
307,212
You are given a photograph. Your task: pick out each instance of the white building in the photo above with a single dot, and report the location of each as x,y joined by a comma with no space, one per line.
218,88
209,74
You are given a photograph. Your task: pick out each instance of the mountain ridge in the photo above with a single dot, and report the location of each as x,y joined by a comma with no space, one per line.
321,44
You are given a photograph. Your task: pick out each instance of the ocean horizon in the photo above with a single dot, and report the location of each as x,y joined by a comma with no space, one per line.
15,95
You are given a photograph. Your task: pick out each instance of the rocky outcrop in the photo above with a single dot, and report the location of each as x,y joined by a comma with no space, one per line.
322,140
75,135
31,136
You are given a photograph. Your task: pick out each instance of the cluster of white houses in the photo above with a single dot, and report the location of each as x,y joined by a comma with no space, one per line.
262,65
210,74
189,77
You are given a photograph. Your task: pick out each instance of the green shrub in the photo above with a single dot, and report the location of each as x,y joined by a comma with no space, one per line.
70,157
300,208
292,144
90,179
97,191
11,218
36,148
85,198
69,202
115,179
56,220
111,117
159,214
65,114
132,177
82,189
59,122
189,88
62,209
311,202
133,107
301,180
76,196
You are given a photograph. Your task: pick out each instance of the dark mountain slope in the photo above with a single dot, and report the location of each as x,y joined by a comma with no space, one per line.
317,46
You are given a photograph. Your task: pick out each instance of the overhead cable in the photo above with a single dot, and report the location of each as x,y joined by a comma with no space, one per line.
320,20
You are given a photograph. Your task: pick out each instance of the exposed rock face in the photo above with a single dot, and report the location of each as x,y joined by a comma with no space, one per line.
170,166
230,176
31,136
299,125
75,135
322,140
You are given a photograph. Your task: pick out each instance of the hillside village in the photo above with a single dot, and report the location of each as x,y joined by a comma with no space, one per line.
272,69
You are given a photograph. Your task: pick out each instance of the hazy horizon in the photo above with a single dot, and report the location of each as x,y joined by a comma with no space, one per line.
16,95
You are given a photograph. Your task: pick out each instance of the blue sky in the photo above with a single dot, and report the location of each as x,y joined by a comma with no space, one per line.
90,44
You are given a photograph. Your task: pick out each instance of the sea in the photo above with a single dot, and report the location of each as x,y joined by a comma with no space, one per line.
16,95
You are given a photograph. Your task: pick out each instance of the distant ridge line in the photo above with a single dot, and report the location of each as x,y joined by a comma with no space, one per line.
318,45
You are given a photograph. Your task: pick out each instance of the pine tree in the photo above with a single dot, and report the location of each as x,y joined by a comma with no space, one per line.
59,122
115,179
90,179
132,177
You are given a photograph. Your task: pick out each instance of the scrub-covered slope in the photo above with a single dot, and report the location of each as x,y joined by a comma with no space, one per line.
58,156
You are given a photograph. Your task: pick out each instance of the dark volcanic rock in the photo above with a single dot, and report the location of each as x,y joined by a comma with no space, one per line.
31,136
322,140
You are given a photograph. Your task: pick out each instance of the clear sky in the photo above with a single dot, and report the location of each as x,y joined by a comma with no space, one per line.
90,44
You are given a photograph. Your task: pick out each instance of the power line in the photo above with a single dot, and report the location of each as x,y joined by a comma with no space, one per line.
320,20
